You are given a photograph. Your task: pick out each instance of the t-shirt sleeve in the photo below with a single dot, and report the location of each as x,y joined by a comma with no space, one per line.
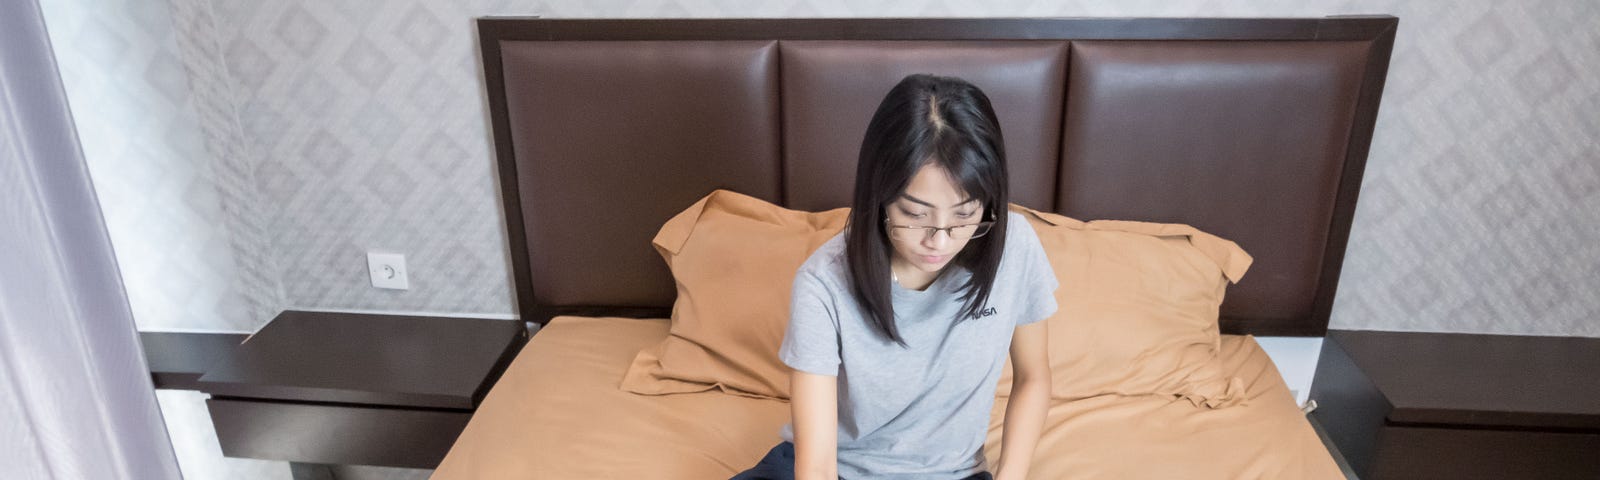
811,343
1038,278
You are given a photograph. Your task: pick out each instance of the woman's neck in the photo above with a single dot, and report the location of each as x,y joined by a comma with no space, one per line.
911,278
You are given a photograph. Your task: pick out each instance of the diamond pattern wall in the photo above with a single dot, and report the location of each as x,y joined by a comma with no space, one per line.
1478,213
178,214
293,136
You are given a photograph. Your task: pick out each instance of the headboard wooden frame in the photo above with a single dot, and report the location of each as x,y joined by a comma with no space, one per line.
604,128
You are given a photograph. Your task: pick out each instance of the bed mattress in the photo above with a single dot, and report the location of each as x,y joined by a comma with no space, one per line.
558,413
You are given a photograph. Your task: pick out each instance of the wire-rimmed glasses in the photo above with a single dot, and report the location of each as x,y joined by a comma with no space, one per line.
918,233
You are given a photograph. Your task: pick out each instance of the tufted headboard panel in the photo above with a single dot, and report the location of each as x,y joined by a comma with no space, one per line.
1256,130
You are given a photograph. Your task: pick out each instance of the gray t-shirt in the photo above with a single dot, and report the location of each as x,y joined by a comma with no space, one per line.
920,412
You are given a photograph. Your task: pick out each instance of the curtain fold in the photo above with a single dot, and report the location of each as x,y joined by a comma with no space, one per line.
76,400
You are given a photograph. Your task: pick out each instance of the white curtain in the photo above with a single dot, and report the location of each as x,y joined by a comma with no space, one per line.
76,401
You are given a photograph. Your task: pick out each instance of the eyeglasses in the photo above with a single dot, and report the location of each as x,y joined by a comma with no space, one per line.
917,233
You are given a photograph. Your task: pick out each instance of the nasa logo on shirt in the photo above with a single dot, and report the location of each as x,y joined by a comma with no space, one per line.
984,313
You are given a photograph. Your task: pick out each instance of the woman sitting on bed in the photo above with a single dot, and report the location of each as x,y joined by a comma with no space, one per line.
900,325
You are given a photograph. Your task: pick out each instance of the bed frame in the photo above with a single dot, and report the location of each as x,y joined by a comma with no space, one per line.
1256,130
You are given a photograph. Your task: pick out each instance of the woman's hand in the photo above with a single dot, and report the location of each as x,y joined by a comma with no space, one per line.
814,406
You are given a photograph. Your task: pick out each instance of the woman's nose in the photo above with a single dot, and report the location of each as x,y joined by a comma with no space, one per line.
937,240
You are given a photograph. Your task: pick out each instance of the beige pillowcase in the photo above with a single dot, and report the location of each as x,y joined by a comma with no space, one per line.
1138,307
734,259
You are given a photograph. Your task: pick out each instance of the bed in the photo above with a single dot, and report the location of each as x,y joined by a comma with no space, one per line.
1256,130
557,413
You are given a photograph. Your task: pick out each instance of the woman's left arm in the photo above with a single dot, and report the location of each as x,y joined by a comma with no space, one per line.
1029,402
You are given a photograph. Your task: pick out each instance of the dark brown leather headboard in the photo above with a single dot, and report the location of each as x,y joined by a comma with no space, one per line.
1253,129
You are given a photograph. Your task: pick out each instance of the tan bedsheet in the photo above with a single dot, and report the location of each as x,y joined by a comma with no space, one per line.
557,414
1112,437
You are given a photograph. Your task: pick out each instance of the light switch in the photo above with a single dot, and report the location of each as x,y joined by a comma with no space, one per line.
388,270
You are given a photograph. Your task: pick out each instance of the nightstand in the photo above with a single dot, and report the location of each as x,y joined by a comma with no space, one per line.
356,389
1403,405
178,359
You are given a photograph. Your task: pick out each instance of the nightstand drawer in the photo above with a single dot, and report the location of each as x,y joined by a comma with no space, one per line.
335,434
1409,405
1421,453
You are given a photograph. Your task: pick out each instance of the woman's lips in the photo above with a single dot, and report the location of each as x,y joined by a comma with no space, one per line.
933,258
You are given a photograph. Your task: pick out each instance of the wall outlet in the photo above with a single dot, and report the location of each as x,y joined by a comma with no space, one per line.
388,270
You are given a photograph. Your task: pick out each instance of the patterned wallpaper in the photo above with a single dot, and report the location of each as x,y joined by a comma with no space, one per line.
1480,210
368,128
245,145
159,187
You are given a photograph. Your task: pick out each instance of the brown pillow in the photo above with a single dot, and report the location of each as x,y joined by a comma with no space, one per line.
1138,307
734,259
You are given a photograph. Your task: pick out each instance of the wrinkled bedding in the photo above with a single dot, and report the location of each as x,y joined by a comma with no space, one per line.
557,413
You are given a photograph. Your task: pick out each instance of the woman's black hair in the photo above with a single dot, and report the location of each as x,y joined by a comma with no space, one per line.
923,119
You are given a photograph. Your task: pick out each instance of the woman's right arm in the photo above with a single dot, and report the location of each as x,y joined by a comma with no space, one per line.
814,405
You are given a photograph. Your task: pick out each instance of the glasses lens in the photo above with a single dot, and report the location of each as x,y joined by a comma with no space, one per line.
981,229
907,234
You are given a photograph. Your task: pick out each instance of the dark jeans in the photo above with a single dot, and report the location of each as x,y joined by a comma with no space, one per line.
779,465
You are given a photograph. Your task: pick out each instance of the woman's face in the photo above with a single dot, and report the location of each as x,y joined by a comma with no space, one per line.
932,199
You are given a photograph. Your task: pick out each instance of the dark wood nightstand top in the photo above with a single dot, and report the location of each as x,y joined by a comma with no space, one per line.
1471,380
368,359
178,359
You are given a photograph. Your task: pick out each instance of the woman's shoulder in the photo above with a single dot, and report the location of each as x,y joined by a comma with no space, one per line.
1017,218
1018,230
1022,242
827,262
